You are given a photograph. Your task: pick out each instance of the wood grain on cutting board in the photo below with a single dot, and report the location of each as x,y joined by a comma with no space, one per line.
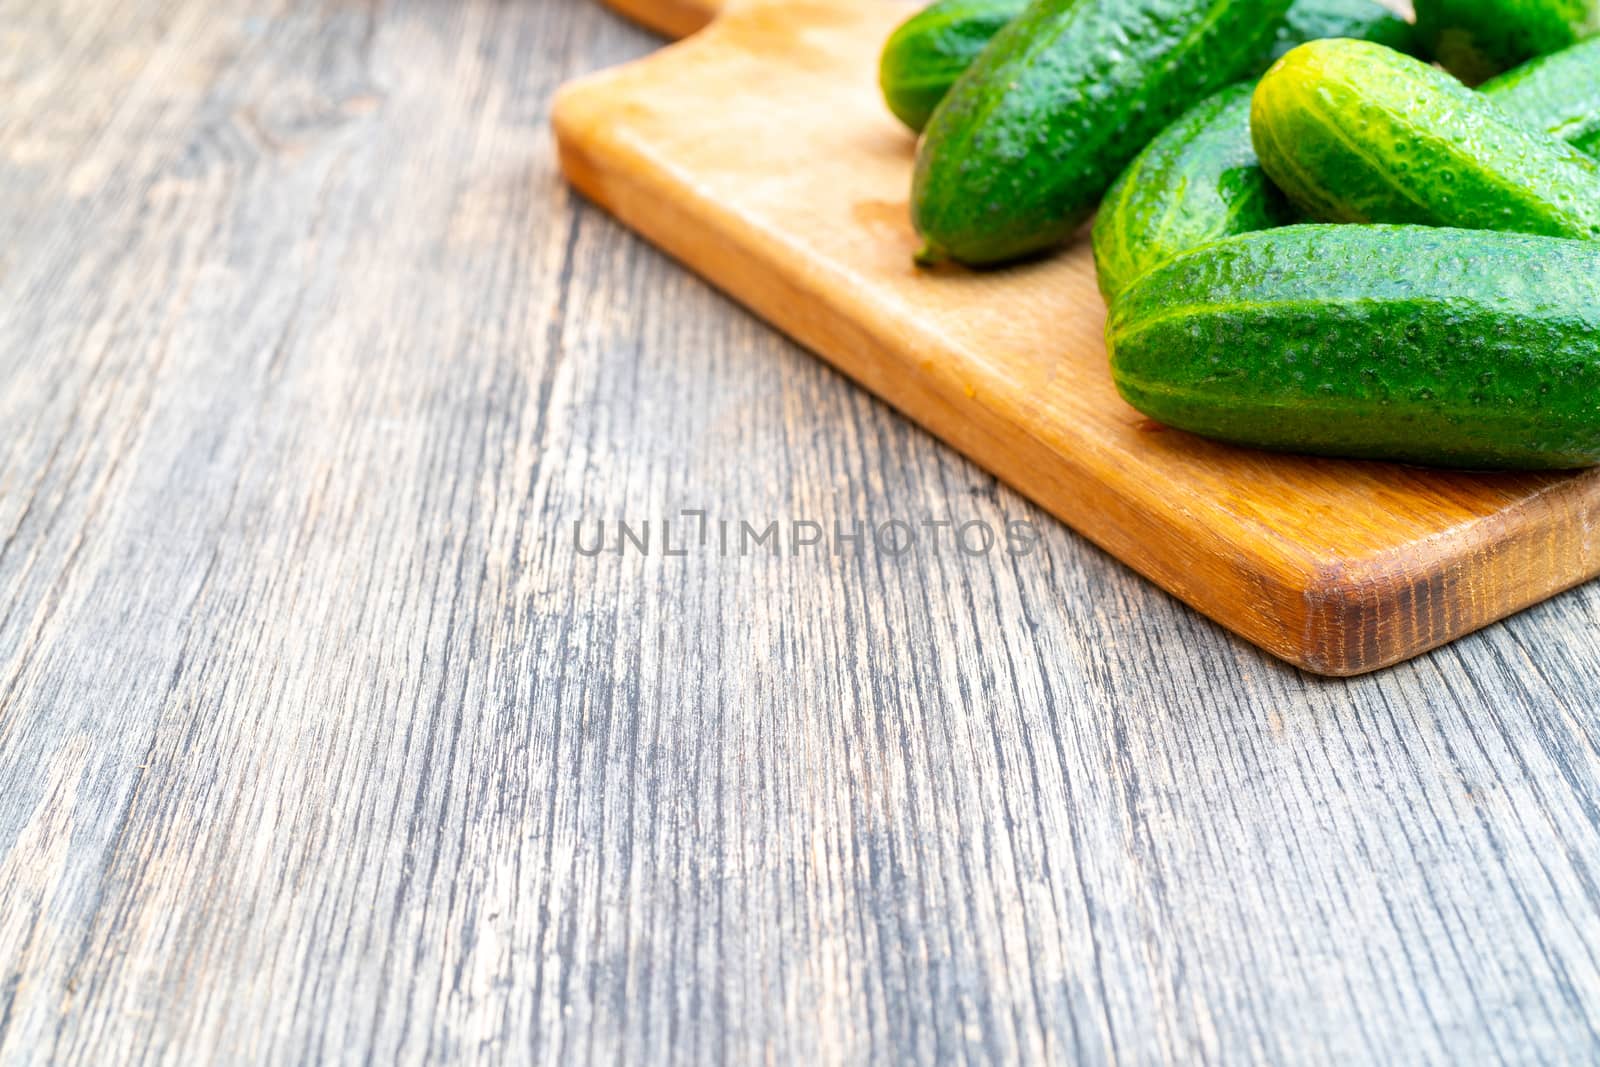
758,153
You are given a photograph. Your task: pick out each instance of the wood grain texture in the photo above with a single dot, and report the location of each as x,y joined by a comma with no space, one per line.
321,743
760,153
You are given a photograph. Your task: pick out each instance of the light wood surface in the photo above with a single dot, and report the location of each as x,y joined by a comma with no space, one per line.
760,154
321,744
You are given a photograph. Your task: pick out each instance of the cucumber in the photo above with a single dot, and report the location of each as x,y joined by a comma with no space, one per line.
1015,158
1461,348
1558,93
1354,132
1365,20
1198,181
1477,39
929,51
932,48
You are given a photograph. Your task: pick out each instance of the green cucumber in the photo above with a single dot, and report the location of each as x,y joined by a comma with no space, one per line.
1365,20
932,48
1019,152
1477,39
929,51
1462,348
1354,132
1558,93
1199,181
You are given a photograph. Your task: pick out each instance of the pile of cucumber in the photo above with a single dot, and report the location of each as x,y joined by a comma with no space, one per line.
1310,237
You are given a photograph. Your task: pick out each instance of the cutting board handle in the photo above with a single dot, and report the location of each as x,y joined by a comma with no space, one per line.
671,18
677,19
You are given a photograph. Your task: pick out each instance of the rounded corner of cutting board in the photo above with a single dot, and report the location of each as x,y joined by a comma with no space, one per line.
1351,625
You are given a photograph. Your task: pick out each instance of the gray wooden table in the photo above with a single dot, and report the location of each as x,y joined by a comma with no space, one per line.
322,739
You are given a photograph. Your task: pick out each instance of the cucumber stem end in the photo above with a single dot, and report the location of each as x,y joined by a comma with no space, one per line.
929,255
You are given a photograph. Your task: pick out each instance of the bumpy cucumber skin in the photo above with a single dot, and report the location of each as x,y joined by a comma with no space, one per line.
1034,132
1353,132
1365,20
1460,348
1477,39
1558,93
924,57
1198,181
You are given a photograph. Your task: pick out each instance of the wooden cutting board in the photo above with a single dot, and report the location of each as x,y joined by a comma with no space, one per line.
758,153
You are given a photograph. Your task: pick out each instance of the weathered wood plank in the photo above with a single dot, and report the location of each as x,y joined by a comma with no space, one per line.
322,742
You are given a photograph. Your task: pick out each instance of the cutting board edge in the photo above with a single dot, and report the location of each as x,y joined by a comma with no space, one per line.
1352,602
